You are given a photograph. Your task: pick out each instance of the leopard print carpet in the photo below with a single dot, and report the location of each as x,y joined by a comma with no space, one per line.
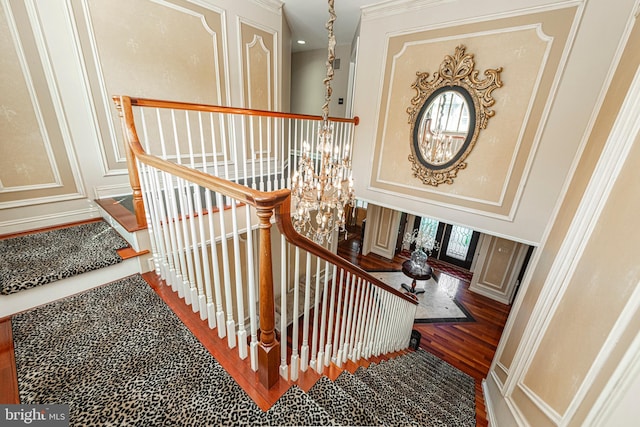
119,356
40,258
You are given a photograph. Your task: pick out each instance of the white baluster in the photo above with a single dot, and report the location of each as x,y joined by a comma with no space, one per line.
343,324
230,323
316,303
295,362
220,315
339,309
181,226
261,153
304,351
208,300
284,268
323,320
357,319
194,198
332,315
352,295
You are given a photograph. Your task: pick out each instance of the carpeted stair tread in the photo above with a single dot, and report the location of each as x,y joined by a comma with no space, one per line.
424,367
430,365
409,372
441,402
296,408
345,409
425,414
383,408
40,258
119,353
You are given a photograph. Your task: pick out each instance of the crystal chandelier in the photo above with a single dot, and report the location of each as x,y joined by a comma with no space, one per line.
320,196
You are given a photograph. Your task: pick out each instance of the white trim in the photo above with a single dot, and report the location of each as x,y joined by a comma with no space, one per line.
395,7
488,403
257,39
102,87
533,262
539,403
619,142
31,187
35,222
619,328
618,385
274,6
276,101
40,200
114,190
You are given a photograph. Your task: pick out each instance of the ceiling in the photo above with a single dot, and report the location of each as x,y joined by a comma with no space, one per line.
307,20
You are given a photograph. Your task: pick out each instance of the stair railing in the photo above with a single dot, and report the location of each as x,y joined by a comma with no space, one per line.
210,179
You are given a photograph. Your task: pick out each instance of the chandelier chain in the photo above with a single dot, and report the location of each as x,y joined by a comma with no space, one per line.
320,195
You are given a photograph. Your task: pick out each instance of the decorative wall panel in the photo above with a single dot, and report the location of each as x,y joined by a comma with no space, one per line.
171,50
35,166
529,49
258,61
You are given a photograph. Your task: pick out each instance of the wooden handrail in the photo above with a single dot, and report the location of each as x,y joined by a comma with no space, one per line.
157,103
283,221
266,203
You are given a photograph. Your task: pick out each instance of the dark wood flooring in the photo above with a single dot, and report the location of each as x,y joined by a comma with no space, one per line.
469,346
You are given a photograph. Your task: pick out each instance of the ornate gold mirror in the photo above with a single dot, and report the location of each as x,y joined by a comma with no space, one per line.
446,116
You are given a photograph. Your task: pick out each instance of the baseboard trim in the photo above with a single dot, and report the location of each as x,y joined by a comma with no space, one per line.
44,221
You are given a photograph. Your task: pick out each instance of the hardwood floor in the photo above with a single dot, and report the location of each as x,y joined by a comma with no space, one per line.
469,346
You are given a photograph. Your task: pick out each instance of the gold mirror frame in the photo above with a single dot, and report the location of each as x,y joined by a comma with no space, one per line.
457,71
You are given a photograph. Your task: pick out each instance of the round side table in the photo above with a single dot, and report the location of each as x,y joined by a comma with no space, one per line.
415,272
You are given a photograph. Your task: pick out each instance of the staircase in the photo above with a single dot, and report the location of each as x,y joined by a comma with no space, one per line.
415,389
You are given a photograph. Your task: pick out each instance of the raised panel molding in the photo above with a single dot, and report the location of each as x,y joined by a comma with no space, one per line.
49,122
381,231
504,289
255,40
172,83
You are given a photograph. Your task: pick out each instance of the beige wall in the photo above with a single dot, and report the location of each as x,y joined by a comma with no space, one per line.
37,162
568,349
64,59
308,71
519,166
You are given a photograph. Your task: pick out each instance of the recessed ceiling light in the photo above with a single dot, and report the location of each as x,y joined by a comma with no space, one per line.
301,42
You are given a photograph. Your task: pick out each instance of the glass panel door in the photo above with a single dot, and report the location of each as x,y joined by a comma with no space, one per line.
459,245
459,241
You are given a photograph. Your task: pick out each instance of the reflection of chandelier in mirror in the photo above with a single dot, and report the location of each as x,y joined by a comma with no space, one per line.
320,196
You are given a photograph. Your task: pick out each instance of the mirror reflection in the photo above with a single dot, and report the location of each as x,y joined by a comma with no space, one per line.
443,127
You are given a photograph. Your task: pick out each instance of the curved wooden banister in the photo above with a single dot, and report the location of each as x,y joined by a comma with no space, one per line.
265,203
145,102
255,198
285,225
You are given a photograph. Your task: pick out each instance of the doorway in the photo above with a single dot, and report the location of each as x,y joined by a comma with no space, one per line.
457,244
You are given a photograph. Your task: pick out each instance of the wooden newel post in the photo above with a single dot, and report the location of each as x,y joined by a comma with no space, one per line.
268,347
132,168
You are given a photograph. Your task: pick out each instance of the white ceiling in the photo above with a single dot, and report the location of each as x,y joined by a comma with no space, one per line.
307,20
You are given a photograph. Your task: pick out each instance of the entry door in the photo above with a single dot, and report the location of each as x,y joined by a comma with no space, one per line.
458,245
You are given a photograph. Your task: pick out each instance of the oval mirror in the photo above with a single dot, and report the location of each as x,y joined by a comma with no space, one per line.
444,127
